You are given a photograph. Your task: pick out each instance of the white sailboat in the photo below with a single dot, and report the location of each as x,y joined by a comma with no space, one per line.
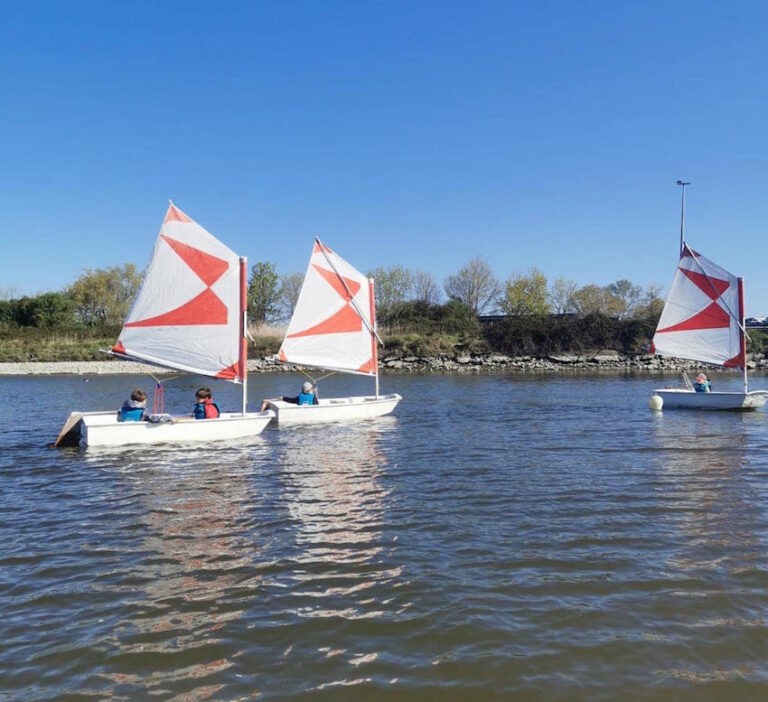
189,315
333,328
703,320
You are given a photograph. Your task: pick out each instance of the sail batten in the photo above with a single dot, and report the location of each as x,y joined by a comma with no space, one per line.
186,315
329,328
701,319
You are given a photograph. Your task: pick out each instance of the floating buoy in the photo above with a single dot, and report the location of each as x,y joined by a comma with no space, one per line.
656,403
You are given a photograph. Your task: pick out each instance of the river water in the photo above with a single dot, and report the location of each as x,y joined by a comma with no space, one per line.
499,537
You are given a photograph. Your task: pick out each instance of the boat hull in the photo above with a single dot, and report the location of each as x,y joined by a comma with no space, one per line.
336,409
682,398
103,429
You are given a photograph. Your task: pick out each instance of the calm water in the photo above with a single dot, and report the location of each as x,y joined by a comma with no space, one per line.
499,538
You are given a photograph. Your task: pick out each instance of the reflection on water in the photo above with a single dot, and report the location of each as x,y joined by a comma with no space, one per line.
194,571
498,538
718,556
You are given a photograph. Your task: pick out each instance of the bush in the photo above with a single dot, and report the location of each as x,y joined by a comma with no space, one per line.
544,335
47,311
418,317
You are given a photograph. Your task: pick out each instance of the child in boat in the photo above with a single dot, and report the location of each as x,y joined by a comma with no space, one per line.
702,384
307,396
134,409
205,407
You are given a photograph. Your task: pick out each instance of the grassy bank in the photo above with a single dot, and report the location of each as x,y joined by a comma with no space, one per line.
515,336
32,344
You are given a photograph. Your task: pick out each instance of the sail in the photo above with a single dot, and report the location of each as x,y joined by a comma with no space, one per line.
187,313
332,324
702,317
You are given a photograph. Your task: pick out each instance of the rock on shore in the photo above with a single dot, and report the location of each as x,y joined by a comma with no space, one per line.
606,360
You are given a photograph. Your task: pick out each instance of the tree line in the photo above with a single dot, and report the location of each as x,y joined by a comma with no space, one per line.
404,298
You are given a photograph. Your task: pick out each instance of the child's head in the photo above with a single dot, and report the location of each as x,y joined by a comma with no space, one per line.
203,394
138,395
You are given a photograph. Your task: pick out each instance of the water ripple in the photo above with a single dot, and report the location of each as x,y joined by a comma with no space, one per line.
500,538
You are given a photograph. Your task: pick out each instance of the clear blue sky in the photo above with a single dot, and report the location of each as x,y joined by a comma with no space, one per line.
413,133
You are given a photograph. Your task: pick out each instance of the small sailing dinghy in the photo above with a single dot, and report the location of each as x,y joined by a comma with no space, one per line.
189,315
333,328
703,320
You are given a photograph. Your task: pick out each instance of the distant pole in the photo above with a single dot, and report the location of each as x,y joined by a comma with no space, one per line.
682,217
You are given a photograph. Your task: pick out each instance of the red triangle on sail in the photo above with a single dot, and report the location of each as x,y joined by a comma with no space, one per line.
712,287
368,367
232,372
207,267
335,282
712,317
282,356
175,214
206,308
345,320
735,362
118,347
318,248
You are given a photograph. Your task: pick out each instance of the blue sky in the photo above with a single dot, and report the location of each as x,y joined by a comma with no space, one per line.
413,133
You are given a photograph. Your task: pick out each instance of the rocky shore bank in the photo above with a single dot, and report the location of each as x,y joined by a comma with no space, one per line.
603,361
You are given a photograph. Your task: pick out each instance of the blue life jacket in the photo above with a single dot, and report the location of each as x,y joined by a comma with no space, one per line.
702,387
200,410
130,414
306,398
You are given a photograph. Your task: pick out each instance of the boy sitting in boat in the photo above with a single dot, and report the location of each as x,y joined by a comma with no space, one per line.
205,407
702,384
307,396
134,409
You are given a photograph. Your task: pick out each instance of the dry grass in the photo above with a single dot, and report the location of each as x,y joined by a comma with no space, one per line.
257,330
36,345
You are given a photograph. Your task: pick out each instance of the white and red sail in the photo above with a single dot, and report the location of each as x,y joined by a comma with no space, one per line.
188,312
703,317
332,326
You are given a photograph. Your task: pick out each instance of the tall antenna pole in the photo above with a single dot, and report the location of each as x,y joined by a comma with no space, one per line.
682,217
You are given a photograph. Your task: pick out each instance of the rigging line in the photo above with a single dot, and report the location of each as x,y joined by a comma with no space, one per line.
352,300
313,379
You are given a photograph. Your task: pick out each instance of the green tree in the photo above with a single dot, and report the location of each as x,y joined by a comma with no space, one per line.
52,310
594,300
629,295
392,285
104,295
263,293
475,285
526,294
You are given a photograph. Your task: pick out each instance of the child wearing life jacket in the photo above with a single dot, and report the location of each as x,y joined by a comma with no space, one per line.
134,409
205,407
702,384
307,396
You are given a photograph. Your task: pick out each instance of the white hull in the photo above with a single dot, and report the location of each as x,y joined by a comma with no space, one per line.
336,409
103,429
682,398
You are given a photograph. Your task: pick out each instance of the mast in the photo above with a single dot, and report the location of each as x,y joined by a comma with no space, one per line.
243,362
374,347
682,216
742,333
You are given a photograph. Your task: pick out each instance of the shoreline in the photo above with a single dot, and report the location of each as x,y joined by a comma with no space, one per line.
461,364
